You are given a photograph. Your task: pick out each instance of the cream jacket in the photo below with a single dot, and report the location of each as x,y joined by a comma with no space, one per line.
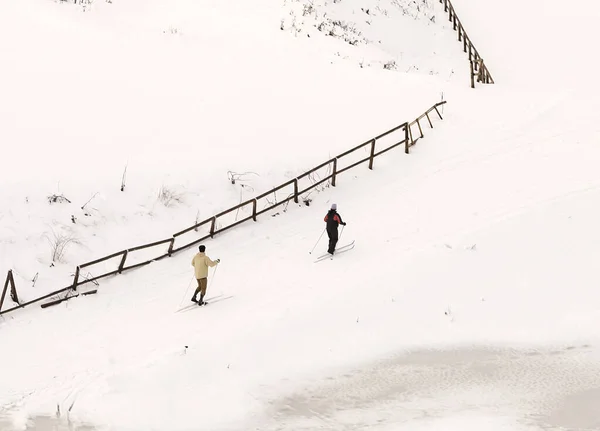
201,262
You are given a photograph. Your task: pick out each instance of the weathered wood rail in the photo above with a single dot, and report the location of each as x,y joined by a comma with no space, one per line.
478,68
401,135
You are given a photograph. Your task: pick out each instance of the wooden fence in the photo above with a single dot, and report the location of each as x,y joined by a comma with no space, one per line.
478,68
293,189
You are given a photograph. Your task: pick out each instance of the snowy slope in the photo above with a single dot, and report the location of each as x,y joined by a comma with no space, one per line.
290,322
178,93
407,36
483,238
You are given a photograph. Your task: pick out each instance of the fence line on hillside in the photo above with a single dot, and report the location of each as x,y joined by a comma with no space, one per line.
478,67
211,226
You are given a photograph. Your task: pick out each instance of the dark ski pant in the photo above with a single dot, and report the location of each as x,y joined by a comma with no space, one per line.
202,283
333,239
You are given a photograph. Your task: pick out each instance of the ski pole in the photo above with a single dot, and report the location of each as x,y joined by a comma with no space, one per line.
186,291
342,232
313,249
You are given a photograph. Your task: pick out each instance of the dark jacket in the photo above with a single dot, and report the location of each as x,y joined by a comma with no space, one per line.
333,220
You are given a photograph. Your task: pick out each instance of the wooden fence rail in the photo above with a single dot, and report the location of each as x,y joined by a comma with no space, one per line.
478,68
406,139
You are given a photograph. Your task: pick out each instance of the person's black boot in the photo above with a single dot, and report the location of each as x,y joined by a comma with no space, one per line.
194,299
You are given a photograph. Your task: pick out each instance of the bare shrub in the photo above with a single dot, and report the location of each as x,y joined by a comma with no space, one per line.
59,242
172,30
123,179
271,203
169,196
86,277
414,9
314,178
390,65
89,200
52,199
242,188
308,9
342,30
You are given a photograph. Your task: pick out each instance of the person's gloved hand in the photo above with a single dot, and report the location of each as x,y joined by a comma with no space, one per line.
344,224
218,260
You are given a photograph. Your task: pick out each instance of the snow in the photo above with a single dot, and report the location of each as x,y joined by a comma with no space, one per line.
184,135
470,300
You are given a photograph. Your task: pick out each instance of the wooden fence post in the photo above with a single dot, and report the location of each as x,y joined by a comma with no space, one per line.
296,190
459,31
429,119
4,292
372,154
406,146
171,245
420,130
213,222
445,5
334,172
254,204
122,264
472,74
76,278
13,288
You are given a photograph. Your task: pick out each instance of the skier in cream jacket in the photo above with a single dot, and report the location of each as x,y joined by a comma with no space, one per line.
201,262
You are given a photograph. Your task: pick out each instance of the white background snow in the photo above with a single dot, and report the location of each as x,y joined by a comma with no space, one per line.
471,299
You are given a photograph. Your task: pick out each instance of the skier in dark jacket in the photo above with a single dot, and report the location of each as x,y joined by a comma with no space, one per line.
333,220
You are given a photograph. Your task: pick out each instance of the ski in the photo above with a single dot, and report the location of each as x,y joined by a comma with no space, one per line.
195,304
212,300
342,251
209,301
338,250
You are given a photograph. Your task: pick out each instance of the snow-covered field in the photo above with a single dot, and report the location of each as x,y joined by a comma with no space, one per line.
470,300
